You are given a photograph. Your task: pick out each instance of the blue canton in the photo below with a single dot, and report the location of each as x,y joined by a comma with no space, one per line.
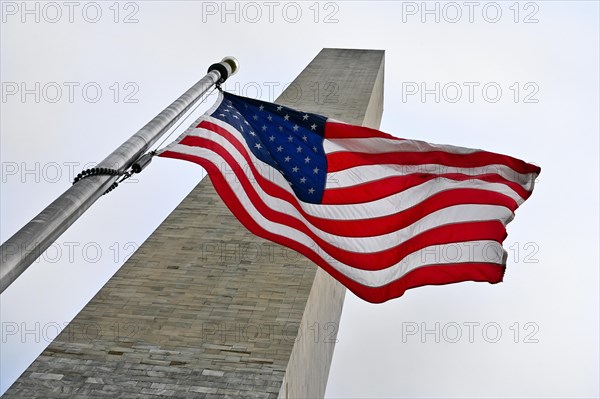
288,140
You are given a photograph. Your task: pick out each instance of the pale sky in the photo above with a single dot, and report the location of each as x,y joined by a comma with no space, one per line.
515,78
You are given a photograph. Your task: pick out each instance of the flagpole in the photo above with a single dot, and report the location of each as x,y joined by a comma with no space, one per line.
25,246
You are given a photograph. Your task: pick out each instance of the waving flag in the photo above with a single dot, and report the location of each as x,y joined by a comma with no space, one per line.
378,213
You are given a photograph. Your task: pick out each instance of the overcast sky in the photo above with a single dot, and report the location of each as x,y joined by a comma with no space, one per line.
515,78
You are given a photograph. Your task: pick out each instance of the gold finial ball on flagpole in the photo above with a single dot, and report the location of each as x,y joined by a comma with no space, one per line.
233,63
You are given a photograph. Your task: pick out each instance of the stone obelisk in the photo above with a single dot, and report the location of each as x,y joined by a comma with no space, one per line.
206,309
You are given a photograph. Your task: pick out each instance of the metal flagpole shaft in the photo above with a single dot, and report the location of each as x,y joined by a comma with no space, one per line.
26,245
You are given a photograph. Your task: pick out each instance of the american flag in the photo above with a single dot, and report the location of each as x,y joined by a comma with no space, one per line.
379,213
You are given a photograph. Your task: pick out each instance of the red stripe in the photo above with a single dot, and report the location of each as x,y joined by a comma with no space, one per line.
492,230
431,275
344,160
336,130
427,275
358,227
451,233
377,189
385,224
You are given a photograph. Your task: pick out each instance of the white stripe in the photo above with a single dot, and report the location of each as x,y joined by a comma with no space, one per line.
472,251
378,208
366,173
374,145
449,215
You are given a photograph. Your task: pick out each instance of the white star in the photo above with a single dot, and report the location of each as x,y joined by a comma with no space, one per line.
279,149
295,169
286,117
304,138
295,128
316,170
252,133
246,122
311,190
299,149
279,108
261,107
270,118
264,128
235,116
255,117
257,145
303,180
222,115
290,138
242,128
226,110
315,149
281,128
305,117
287,159
307,160
313,127
272,138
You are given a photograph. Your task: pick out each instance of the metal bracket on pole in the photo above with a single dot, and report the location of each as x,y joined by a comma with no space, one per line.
26,245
